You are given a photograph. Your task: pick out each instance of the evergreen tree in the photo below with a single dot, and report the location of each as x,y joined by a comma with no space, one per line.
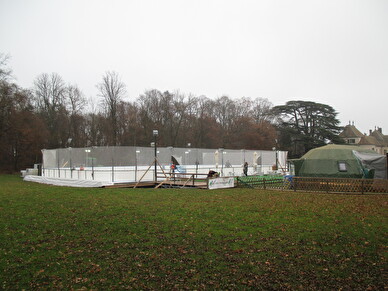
304,125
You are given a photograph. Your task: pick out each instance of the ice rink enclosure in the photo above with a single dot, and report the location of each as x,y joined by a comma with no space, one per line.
128,164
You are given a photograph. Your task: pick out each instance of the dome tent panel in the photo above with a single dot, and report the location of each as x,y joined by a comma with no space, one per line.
336,161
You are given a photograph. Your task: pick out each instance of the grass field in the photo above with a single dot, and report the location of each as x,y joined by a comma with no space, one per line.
69,238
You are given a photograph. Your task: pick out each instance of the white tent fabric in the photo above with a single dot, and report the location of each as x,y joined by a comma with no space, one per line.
373,161
67,182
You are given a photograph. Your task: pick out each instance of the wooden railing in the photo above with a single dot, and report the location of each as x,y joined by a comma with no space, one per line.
182,179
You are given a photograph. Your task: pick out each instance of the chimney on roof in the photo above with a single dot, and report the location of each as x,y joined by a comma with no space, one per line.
370,132
380,130
353,123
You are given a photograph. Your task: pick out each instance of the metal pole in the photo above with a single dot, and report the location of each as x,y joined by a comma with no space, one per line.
71,172
113,171
155,134
222,162
59,171
87,151
135,165
92,168
136,158
277,160
155,163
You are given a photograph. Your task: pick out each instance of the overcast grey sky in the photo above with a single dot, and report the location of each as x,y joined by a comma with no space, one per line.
330,51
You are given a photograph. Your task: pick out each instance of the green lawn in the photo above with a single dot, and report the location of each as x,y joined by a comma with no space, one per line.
69,238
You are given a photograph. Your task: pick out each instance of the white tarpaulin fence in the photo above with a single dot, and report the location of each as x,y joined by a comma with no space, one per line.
128,164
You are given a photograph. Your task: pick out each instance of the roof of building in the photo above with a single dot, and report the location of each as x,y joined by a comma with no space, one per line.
369,140
350,131
383,139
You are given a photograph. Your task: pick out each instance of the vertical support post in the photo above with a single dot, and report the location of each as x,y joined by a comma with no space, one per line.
43,173
155,133
222,162
155,166
113,168
92,168
136,158
276,157
59,171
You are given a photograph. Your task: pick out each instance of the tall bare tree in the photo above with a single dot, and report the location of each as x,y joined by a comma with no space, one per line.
75,105
262,110
5,71
50,102
112,90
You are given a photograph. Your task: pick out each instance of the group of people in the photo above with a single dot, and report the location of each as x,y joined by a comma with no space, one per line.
212,173
216,174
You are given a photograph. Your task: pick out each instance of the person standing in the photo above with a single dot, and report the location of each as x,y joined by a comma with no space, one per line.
245,168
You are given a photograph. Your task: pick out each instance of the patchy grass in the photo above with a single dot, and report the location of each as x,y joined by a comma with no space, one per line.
70,238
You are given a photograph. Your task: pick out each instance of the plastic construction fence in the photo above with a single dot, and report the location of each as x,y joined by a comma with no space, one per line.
129,164
316,184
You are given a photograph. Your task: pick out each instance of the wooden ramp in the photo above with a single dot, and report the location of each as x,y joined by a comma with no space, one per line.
150,184
168,180
161,184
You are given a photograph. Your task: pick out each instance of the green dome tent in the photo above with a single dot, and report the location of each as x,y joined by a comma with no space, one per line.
344,161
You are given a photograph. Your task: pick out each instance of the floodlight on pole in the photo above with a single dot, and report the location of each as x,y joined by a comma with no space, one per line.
87,151
70,163
222,161
276,157
136,158
155,133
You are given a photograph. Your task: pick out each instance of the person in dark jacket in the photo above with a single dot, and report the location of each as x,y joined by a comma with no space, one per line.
245,169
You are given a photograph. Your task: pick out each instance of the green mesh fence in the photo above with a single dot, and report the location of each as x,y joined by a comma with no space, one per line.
263,182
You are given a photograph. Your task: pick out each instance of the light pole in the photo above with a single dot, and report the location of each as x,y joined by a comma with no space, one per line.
222,161
92,168
276,157
87,151
69,140
70,163
59,171
137,152
243,154
155,133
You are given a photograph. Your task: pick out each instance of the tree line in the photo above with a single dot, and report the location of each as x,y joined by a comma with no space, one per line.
56,114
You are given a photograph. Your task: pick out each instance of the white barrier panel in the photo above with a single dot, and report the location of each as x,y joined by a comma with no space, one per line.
129,164
223,182
66,182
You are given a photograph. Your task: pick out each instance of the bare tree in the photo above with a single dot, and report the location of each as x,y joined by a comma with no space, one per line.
75,105
5,72
262,110
49,92
75,98
50,103
112,91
